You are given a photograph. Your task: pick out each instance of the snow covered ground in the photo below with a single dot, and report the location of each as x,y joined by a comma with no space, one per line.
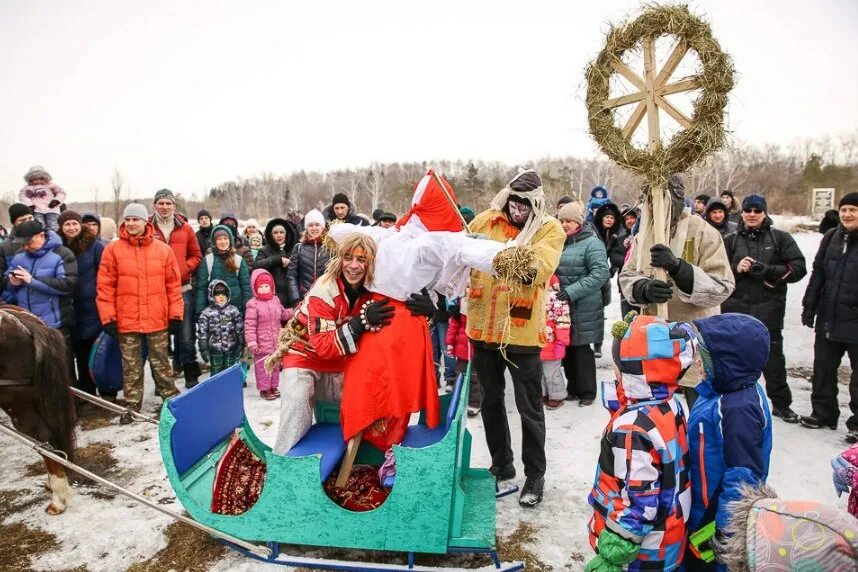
110,534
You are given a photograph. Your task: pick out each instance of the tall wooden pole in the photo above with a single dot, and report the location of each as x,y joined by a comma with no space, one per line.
657,190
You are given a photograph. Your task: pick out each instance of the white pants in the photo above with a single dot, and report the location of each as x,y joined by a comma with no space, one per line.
299,390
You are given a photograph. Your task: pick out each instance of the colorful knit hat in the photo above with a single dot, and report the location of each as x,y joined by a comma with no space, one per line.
652,355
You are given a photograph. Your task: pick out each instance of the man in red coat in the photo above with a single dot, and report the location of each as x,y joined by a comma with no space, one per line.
174,229
139,297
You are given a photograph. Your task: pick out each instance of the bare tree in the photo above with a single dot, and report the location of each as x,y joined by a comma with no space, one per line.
375,184
117,183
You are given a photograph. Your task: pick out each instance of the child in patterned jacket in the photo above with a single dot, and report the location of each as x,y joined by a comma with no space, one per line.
642,488
220,329
44,196
558,334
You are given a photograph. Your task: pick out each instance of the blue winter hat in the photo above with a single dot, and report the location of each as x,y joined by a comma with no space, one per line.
755,202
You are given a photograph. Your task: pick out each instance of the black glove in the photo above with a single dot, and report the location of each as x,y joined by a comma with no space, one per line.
758,271
455,311
204,352
562,295
110,329
652,291
807,317
663,257
175,327
53,204
420,305
379,313
529,277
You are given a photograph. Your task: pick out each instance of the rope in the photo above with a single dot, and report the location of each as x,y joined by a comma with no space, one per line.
126,412
261,551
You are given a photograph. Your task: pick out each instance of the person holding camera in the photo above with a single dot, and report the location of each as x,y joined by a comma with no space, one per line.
764,260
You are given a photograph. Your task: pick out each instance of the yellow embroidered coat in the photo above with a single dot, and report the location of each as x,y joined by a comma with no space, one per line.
510,313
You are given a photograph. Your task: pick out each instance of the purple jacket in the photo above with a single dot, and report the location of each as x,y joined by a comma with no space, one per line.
262,318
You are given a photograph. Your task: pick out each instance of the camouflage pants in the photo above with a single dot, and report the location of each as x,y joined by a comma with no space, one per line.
131,348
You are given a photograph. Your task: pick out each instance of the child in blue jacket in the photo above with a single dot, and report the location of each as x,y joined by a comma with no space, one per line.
730,425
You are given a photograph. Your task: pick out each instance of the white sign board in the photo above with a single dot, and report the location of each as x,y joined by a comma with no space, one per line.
823,200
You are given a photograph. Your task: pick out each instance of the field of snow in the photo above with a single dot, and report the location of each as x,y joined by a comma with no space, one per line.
102,534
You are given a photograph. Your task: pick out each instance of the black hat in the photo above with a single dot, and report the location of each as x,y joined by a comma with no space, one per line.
341,199
702,198
755,201
387,216
714,204
850,199
203,212
18,210
376,214
27,230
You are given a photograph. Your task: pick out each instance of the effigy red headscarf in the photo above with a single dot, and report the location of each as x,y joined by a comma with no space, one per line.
434,203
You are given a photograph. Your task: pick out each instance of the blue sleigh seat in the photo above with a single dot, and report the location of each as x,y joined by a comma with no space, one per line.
210,413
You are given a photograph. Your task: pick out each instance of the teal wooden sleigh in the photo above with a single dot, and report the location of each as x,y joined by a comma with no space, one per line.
438,504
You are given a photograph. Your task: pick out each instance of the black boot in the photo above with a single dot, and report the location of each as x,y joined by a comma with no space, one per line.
192,374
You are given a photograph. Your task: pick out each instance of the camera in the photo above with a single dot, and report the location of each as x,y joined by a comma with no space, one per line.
757,268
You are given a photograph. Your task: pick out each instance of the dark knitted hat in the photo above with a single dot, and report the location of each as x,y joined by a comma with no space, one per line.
850,199
18,210
202,213
565,199
376,214
67,216
755,201
341,199
702,198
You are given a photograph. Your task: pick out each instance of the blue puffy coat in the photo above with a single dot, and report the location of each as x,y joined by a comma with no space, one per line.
49,294
730,425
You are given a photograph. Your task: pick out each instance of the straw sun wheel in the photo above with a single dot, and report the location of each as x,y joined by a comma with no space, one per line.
702,133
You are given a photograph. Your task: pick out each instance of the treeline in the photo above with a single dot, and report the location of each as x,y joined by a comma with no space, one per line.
783,175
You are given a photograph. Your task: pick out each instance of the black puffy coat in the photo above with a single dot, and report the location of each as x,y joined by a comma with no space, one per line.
271,258
306,263
763,294
613,238
832,293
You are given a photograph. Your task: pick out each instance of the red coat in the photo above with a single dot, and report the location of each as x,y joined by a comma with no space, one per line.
185,246
457,337
326,339
139,285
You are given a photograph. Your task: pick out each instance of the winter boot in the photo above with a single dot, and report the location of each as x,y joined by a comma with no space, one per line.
504,473
531,493
192,374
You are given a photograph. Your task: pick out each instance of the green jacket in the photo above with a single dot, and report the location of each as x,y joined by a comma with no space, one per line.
238,282
582,271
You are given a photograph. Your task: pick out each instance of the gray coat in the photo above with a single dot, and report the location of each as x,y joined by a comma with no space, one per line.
582,271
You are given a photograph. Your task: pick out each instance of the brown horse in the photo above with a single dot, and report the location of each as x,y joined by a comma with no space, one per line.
34,390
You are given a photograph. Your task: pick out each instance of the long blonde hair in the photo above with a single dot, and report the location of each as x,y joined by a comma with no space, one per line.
351,243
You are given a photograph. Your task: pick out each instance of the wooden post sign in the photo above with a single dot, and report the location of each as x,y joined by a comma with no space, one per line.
701,134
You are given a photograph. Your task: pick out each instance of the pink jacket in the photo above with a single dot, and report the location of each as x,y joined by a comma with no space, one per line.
40,196
457,337
262,319
558,326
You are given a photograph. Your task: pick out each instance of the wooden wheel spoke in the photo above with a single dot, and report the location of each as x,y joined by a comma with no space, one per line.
668,107
651,107
630,75
679,86
671,64
625,100
634,120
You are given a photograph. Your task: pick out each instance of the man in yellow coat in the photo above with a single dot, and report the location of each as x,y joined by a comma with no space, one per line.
506,323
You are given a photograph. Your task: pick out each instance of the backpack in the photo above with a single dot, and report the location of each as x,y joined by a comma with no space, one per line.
210,263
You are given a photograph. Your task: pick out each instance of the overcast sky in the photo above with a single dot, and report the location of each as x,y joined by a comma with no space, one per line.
187,95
